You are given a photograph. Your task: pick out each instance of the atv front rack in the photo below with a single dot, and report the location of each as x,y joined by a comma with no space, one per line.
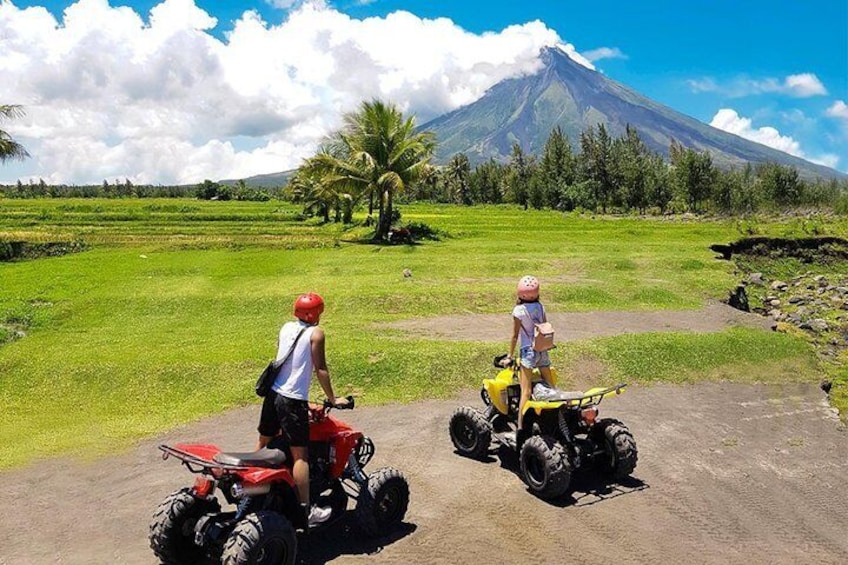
190,459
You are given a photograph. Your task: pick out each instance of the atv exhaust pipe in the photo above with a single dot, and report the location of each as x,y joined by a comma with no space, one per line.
239,491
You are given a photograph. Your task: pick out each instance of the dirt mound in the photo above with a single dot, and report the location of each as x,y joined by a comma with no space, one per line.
727,474
571,326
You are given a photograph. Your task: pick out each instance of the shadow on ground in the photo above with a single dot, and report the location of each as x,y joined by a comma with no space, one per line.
588,486
343,538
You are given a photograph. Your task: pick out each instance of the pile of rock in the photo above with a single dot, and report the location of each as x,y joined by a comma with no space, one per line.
817,304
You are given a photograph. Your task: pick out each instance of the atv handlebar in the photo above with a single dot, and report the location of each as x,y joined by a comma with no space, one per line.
351,402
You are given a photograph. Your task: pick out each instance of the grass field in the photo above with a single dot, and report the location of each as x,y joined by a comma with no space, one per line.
175,308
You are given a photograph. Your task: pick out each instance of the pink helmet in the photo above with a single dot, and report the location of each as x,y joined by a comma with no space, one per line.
528,288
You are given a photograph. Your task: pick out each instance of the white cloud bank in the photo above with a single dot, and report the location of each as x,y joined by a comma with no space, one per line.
730,121
802,85
110,95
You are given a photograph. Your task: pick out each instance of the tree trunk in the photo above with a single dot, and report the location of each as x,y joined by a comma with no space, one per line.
385,217
380,234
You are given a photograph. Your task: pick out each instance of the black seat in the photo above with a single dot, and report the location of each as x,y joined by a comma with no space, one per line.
264,457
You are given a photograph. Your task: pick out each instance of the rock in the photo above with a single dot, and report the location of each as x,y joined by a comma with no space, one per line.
779,285
830,288
769,298
818,325
796,300
819,278
794,318
756,278
407,273
739,299
802,311
775,303
775,314
842,289
825,386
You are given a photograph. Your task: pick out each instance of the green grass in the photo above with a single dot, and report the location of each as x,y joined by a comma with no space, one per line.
175,309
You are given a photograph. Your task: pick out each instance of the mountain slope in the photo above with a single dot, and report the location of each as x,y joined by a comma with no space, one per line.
566,94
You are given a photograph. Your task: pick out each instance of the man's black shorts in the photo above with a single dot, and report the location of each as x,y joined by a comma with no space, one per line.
289,416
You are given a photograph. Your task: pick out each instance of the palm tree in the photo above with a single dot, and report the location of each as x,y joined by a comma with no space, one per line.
377,153
9,148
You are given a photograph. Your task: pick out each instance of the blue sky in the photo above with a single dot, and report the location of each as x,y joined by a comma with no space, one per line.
775,71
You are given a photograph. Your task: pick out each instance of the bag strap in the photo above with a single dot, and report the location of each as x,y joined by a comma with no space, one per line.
279,364
523,329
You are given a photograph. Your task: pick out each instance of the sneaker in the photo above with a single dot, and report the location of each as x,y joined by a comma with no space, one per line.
319,515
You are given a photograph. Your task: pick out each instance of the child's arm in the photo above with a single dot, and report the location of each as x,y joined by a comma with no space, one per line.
516,327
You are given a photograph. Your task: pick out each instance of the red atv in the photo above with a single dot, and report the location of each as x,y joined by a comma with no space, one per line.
190,527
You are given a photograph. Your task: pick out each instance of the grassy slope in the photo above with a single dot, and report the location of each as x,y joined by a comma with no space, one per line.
174,312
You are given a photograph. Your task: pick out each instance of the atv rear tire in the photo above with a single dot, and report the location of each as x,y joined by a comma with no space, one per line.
545,467
470,432
263,538
172,529
621,454
382,503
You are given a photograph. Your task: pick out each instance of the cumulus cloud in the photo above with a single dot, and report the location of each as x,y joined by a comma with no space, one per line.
802,85
604,53
839,109
730,121
110,94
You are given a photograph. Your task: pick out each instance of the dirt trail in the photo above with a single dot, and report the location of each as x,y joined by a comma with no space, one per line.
571,326
727,474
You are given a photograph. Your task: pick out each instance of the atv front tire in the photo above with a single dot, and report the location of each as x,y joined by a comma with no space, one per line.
172,529
263,538
382,502
470,432
545,467
620,453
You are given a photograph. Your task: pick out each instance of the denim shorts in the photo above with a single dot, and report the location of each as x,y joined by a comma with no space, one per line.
531,359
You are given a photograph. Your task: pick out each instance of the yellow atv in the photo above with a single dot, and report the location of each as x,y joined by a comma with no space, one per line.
561,431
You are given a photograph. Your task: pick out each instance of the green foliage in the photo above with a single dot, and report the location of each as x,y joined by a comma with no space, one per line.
9,148
376,154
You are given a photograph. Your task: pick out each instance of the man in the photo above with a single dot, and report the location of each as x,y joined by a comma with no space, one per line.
285,408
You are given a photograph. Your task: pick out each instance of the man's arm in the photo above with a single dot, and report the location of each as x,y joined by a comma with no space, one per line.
319,361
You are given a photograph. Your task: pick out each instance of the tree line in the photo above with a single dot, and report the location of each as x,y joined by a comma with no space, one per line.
621,174
207,190
379,156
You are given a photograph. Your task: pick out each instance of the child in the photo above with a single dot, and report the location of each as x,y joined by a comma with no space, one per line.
527,313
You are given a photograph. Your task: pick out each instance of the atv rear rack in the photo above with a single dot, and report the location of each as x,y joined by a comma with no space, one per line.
600,395
189,459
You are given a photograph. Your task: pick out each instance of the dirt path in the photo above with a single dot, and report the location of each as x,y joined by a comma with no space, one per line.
727,474
571,326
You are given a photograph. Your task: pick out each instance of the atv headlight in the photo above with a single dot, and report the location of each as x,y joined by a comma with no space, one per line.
364,451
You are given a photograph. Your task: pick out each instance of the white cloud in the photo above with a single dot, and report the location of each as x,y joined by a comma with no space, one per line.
730,121
839,109
604,53
109,95
802,85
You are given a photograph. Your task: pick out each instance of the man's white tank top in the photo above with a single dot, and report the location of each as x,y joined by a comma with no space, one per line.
296,373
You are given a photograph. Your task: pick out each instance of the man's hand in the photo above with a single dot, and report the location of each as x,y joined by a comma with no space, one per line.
341,403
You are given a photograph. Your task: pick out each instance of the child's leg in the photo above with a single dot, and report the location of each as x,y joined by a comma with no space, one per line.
526,388
546,375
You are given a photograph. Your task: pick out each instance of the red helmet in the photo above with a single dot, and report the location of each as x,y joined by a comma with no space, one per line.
308,307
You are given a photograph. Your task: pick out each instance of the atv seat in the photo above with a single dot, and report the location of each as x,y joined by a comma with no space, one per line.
264,457
544,392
